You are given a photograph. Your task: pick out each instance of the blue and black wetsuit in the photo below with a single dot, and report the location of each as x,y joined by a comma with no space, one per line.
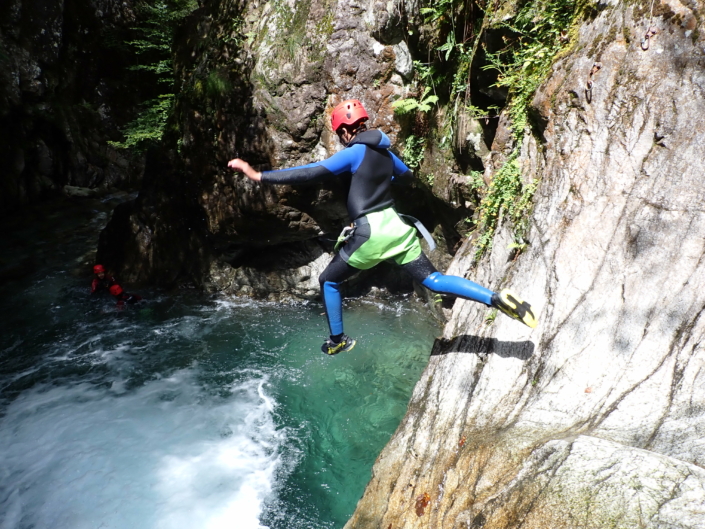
379,232
367,160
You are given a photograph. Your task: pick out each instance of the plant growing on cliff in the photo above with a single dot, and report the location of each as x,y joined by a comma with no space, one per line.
413,153
506,196
153,55
529,35
422,104
149,125
540,31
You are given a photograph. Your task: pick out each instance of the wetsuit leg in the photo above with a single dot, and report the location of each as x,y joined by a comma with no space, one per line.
423,271
334,274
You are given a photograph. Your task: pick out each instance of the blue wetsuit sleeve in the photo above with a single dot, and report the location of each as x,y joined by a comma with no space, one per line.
401,173
345,161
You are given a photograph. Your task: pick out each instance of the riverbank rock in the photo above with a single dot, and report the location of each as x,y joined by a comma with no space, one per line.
596,418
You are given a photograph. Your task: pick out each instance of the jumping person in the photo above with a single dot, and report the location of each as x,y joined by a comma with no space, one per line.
377,232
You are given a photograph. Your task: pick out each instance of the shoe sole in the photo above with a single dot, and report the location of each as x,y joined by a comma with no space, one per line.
344,349
517,308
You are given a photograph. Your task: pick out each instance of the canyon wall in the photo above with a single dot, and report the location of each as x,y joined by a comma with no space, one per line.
596,418
65,90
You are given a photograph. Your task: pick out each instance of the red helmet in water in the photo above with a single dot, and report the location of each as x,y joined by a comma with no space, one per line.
116,290
98,269
348,112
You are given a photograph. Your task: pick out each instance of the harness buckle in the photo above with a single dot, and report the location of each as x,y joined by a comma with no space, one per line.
345,236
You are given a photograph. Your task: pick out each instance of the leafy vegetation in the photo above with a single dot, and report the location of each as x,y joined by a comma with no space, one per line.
518,42
491,316
151,46
149,125
413,152
541,30
423,104
506,197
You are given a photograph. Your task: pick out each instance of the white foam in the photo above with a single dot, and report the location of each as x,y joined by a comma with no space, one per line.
167,455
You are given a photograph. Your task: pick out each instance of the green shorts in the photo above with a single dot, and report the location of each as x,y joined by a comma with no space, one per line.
379,236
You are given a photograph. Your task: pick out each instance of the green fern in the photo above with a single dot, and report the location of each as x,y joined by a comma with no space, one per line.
423,104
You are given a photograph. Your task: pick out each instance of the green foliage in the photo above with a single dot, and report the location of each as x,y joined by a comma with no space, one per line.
150,124
437,10
491,316
217,84
507,196
152,49
413,154
542,31
477,180
155,34
423,104
517,245
535,32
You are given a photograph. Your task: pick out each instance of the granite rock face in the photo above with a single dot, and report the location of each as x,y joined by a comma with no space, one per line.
596,418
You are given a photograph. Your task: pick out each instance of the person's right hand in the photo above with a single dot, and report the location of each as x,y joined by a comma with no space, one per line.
241,165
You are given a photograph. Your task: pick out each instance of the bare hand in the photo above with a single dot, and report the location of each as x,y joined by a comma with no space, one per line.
241,165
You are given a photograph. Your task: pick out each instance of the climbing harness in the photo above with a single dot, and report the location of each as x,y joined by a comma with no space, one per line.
646,39
349,231
588,88
422,230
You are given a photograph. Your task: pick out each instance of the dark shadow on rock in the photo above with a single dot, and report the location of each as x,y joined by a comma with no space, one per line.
478,345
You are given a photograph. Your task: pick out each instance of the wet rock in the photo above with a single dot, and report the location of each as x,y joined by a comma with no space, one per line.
79,192
289,273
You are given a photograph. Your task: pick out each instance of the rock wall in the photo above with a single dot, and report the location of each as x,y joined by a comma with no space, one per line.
596,418
62,95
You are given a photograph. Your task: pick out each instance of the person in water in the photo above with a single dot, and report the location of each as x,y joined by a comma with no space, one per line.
102,281
377,232
122,297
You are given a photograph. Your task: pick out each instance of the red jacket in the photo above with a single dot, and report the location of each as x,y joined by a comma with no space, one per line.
99,285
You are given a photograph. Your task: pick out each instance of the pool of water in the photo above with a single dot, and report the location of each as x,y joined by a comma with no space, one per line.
191,410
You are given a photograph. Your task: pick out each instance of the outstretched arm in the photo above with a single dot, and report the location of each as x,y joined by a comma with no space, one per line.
244,167
347,160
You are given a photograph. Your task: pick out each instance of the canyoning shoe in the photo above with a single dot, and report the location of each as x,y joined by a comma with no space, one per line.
331,348
513,306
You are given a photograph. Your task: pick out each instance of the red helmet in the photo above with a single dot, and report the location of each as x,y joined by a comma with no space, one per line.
98,269
116,290
348,112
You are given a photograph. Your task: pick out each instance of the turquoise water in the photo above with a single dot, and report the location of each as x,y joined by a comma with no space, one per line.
191,411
